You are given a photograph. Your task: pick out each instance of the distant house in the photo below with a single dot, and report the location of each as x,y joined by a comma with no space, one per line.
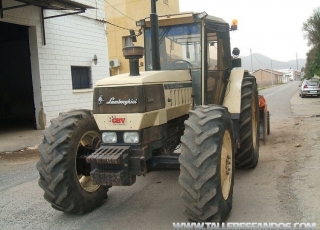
291,74
51,55
266,77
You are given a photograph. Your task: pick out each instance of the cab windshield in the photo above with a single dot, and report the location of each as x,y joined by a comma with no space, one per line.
179,47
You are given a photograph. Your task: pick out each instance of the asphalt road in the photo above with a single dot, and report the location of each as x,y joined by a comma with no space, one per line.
260,194
278,100
264,194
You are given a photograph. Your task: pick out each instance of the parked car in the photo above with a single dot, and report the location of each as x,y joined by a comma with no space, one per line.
309,88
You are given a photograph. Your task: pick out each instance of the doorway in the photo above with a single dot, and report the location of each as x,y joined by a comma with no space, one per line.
17,110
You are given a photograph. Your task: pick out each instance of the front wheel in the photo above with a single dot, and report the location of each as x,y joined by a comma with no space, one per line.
64,173
207,164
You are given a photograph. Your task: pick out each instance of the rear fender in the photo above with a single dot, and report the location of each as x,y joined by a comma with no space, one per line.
232,97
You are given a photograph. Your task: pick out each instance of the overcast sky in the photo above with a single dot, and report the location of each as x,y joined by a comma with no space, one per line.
269,27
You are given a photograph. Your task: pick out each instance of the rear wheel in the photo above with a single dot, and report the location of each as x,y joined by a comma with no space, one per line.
64,173
248,153
207,164
268,122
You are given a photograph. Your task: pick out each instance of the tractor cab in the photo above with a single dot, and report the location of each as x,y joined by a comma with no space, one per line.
198,42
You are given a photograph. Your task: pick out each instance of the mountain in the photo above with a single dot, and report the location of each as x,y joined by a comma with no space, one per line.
260,61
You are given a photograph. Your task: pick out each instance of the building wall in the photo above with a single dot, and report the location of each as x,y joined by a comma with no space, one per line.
70,41
134,10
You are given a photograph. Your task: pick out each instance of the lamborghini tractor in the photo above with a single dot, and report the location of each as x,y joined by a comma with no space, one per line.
192,108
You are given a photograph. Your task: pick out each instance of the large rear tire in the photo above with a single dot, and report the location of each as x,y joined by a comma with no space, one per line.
268,122
64,174
247,155
207,164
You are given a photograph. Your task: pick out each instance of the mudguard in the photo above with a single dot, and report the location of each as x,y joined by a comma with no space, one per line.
232,99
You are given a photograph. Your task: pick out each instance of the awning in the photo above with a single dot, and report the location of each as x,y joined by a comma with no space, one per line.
69,5
57,4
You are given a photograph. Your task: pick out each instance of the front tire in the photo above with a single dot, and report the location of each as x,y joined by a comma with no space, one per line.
248,153
64,174
207,164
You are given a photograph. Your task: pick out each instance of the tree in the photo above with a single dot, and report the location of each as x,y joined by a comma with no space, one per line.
313,63
311,30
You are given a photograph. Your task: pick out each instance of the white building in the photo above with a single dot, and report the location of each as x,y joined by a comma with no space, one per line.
46,64
291,74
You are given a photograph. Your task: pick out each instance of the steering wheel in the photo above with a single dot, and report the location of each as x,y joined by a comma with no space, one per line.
177,63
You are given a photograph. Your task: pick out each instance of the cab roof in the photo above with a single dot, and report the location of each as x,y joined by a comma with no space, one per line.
182,18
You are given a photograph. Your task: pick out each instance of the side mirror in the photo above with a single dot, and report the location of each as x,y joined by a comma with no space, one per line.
236,62
235,52
299,85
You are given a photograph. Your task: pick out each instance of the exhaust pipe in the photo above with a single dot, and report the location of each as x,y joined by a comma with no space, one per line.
133,53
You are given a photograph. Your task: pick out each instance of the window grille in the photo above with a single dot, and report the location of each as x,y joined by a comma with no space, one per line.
81,77
127,41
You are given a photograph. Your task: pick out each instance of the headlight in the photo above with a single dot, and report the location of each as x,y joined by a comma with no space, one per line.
109,137
131,137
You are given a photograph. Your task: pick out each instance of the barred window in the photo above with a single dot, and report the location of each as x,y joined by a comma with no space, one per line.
81,77
127,41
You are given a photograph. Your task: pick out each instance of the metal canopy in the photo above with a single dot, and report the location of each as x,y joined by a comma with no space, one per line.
57,4
50,5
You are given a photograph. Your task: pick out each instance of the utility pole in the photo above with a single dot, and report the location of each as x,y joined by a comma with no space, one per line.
297,66
271,74
251,61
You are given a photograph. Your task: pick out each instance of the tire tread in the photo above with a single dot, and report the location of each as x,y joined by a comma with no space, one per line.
56,168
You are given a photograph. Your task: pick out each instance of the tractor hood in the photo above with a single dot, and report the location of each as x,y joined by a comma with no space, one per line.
148,77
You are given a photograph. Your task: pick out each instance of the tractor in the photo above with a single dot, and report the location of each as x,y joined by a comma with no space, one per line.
192,108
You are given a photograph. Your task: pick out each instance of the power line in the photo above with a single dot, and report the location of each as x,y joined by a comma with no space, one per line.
257,59
104,21
120,11
116,25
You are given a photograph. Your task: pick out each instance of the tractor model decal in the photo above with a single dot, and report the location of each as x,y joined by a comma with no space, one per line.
178,85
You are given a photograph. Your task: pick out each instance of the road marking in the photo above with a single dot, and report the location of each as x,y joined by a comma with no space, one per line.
276,91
